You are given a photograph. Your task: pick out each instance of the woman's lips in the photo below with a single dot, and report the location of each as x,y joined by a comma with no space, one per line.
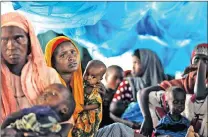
73,64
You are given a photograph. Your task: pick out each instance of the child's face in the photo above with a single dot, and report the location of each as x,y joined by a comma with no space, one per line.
176,102
114,78
92,76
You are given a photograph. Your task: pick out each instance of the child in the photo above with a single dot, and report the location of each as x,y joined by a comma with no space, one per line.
54,105
89,119
173,124
113,77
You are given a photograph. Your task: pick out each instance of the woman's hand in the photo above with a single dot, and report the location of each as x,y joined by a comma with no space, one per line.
147,127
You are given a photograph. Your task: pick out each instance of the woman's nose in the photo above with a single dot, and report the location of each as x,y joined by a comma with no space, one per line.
10,45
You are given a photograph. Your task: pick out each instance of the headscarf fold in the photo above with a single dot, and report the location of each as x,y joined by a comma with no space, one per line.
31,82
152,71
77,81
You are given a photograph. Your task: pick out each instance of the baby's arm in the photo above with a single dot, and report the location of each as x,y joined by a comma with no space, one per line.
90,107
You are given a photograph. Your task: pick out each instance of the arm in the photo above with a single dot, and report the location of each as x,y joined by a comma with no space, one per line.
120,120
200,86
143,99
90,107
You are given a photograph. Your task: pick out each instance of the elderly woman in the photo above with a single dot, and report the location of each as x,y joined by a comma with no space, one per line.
24,73
147,71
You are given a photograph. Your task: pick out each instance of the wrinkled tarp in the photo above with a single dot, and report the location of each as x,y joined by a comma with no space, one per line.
171,29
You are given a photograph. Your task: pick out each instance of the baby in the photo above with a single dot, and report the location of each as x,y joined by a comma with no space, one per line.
55,105
89,120
173,124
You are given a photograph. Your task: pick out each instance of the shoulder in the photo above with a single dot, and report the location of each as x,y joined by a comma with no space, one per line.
53,75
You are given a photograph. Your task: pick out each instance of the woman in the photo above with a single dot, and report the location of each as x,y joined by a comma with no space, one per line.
24,73
62,54
147,70
200,54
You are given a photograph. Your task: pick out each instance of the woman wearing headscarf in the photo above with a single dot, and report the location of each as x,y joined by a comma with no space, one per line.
24,73
151,95
147,71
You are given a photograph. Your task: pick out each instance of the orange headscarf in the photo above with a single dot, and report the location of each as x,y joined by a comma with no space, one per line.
77,81
34,75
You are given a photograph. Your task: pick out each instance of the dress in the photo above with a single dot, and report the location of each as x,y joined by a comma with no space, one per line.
167,126
88,122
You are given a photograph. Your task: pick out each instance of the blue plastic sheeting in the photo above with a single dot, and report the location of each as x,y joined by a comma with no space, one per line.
172,29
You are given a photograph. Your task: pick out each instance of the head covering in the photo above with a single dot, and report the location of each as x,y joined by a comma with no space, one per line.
200,49
34,73
77,81
151,69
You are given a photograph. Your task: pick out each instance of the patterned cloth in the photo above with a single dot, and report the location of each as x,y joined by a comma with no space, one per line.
167,126
40,119
88,122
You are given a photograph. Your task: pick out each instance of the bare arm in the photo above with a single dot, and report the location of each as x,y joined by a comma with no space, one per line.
90,107
200,85
143,99
120,120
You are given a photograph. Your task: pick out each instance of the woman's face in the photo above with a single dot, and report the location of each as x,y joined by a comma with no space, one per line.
198,57
136,66
14,45
65,58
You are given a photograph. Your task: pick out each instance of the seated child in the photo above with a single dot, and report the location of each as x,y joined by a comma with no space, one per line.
89,119
173,124
55,105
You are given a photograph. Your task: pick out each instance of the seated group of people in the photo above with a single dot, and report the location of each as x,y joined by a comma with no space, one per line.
46,95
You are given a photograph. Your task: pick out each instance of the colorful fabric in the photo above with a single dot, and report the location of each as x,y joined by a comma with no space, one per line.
40,119
167,126
35,75
88,122
76,82
124,93
133,113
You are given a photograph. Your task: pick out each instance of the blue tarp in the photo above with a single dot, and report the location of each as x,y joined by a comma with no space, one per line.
171,29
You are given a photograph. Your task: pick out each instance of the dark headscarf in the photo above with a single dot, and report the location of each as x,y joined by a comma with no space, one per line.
152,71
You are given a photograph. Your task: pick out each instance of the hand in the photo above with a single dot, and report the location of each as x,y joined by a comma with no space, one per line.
102,89
147,127
136,125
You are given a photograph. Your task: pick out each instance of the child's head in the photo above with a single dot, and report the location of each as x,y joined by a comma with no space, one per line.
175,97
94,72
114,76
60,99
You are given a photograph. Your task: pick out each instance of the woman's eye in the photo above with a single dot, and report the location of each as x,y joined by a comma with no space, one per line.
62,55
205,61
